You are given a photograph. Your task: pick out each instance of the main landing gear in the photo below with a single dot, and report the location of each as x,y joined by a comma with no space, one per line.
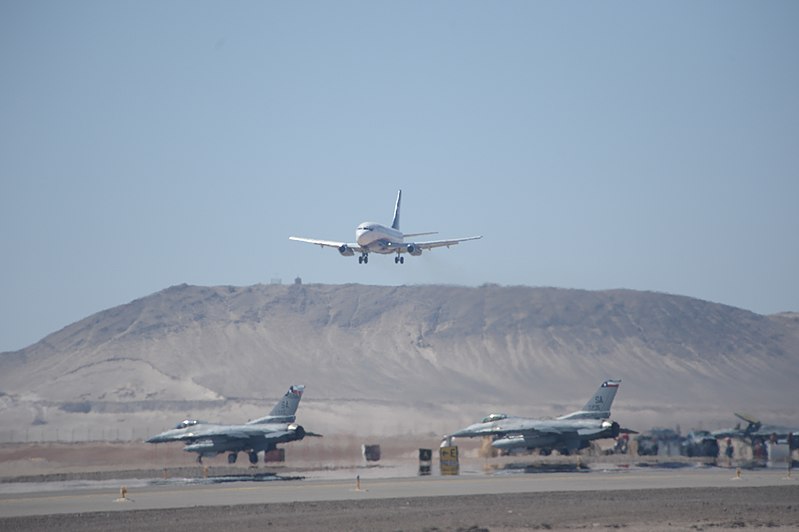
363,259
252,455
399,259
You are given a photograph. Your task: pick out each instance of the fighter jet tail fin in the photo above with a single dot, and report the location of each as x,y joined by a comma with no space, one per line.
285,409
753,424
598,407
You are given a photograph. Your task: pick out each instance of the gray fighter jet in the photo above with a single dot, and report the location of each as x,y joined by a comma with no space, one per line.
755,429
262,434
566,434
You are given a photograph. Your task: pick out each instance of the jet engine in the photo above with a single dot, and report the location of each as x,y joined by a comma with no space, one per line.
299,432
345,250
613,428
414,250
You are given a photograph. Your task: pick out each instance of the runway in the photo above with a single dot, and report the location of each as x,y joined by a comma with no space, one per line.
159,495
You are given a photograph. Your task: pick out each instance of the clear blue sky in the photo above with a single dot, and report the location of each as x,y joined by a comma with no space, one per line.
643,145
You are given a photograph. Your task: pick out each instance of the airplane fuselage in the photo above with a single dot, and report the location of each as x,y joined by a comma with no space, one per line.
514,432
377,238
208,439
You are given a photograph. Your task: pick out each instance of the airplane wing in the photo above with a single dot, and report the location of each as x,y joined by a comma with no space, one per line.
327,243
406,235
541,431
430,244
219,434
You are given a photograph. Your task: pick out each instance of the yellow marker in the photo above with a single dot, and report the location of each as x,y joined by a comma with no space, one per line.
123,495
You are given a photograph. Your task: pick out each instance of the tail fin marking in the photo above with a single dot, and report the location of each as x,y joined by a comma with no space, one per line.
598,407
285,409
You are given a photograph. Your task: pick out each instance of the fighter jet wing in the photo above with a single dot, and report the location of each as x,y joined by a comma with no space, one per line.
430,244
328,243
541,431
221,434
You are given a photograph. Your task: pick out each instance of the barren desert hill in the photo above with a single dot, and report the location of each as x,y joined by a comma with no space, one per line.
414,346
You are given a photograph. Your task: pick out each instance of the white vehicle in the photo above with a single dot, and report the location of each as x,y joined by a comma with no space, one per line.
371,237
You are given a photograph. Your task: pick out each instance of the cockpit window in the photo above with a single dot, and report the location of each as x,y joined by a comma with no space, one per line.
494,417
186,423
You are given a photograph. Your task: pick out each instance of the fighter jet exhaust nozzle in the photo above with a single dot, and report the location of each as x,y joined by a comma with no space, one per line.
414,250
298,430
346,251
613,427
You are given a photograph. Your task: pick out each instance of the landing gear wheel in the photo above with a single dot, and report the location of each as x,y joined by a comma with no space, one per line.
231,458
199,459
399,260
363,259
253,457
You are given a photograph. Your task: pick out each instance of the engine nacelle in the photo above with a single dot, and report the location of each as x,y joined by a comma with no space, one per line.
345,250
414,250
296,432
612,428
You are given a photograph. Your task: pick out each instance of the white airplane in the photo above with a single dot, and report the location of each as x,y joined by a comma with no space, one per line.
371,237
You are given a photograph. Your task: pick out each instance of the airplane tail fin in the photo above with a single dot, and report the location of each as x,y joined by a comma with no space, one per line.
395,223
753,425
598,407
285,409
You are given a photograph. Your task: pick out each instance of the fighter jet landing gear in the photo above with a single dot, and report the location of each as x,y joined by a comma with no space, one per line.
363,259
253,457
399,260
231,458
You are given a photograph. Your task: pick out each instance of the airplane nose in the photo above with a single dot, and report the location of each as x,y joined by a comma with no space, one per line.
462,433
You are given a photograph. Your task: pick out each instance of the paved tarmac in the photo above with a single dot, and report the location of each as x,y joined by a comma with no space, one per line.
72,498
